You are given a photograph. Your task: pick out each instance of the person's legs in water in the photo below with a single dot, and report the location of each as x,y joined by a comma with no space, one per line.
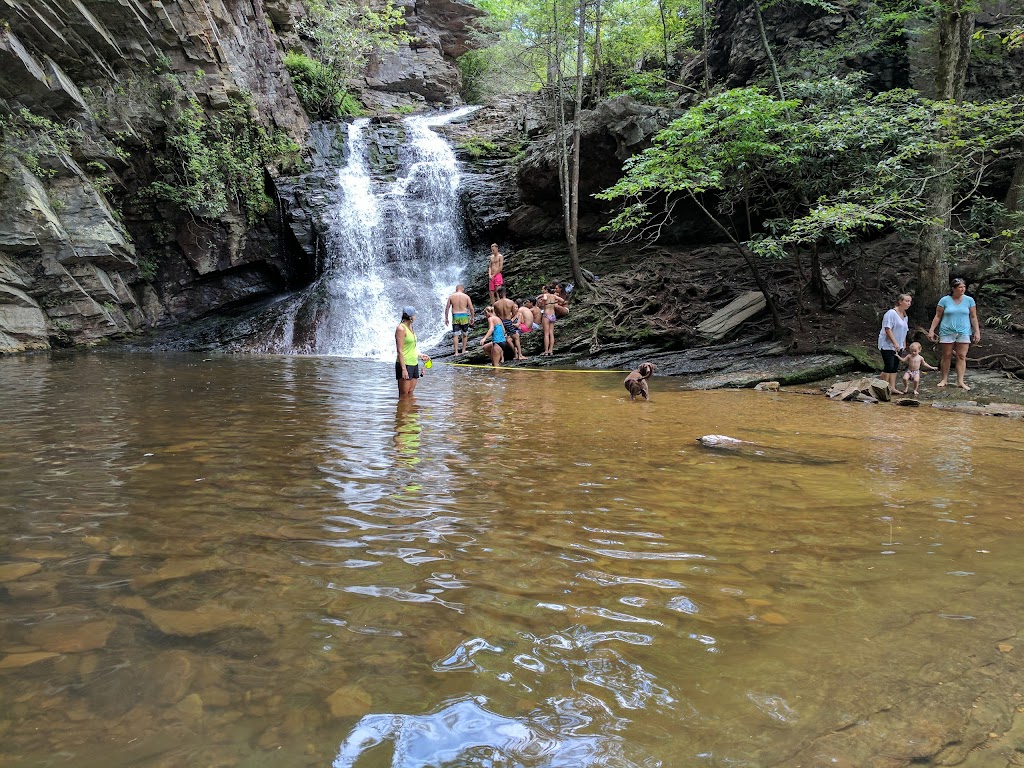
407,386
495,352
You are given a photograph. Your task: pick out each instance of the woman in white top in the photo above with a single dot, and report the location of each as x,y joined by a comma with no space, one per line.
893,338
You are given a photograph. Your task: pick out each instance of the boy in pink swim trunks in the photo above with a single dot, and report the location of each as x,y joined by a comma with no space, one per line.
494,267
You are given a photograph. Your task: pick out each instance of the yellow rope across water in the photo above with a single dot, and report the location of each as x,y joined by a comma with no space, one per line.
523,368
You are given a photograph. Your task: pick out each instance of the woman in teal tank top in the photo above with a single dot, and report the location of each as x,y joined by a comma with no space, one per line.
956,317
407,366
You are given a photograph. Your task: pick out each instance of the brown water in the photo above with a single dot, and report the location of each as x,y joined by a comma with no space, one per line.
267,562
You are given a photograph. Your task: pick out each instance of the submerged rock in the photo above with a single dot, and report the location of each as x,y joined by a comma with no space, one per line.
720,441
12,571
201,621
765,453
17,660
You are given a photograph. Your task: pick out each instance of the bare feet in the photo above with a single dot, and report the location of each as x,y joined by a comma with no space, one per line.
941,383
963,386
915,393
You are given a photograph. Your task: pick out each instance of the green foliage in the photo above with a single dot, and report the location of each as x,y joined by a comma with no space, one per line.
342,35
32,138
827,167
317,88
148,267
161,63
478,148
634,35
219,160
510,57
647,87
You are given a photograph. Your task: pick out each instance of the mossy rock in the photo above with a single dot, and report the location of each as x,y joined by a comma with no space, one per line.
867,359
818,368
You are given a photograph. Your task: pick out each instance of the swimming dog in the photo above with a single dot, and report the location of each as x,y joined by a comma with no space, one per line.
636,382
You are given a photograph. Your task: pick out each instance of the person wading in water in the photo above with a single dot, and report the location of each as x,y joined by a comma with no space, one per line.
407,366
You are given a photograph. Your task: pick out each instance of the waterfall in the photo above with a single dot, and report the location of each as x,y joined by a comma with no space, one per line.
392,242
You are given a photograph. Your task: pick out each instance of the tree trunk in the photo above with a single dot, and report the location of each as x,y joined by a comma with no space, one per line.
664,32
705,45
1015,194
597,76
955,28
572,224
768,49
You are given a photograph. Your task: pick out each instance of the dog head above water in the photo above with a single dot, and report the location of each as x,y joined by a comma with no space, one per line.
646,369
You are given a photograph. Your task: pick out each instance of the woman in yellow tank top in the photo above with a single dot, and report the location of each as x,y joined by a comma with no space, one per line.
407,366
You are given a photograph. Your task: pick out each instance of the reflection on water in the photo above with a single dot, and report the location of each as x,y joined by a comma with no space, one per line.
270,561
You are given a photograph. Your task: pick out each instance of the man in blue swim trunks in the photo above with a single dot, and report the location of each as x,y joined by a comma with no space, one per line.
507,312
460,313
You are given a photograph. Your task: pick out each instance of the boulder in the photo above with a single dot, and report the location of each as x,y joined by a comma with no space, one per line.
866,390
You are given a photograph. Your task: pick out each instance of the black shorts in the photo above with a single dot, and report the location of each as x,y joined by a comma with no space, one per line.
462,328
511,327
414,370
507,349
891,363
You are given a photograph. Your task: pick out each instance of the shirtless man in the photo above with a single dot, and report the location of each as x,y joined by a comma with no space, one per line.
494,267
462,315
550,301
534,308
524,318
507,311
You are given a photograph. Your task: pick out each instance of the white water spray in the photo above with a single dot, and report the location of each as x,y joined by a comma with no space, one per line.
391,244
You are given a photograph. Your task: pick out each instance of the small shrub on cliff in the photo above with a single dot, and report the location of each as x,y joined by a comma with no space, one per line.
32,138
647,87
315,85
478,148
214,161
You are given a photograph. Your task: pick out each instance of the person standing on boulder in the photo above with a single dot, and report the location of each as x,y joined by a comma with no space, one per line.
460,312
549,301
893,338
494,267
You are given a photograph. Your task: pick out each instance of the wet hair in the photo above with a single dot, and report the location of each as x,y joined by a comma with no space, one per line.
501,292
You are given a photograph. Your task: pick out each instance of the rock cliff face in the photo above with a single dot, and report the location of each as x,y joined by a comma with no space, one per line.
424,70
89,247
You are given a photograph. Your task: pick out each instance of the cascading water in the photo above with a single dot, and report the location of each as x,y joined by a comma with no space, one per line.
391,243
